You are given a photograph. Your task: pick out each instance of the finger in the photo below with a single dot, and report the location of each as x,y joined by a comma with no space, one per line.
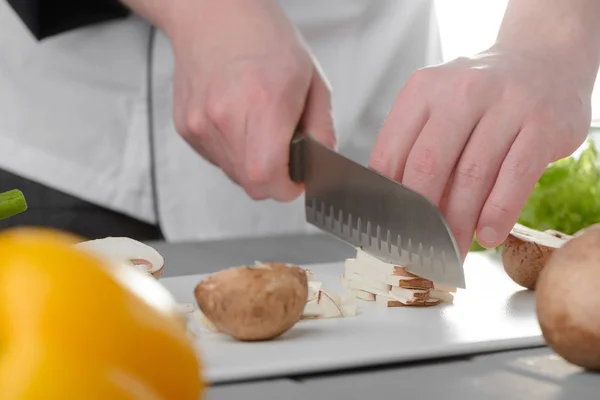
520,171
437,150
202,135
443,206
270,126
317,119
476,173
399,133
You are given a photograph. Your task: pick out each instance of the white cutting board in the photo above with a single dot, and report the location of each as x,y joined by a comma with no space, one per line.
492,314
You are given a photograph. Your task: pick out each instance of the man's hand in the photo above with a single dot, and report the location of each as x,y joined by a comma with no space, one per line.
243,82
474,135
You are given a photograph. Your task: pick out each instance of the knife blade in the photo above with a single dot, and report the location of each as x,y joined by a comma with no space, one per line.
369,211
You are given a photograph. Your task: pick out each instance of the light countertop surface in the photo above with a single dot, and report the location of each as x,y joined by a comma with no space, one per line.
535,373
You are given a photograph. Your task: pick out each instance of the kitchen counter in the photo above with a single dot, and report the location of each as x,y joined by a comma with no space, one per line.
525,374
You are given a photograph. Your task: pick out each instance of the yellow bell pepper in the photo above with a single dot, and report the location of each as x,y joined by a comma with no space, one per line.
72,327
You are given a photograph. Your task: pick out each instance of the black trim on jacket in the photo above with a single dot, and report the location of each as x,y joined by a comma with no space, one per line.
45,18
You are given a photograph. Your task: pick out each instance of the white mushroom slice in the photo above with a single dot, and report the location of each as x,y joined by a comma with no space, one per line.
526,251
388,302
312,309
357,284
375,269
444,288
349,305
360,294
310,276
394,302
185,308
322,307
549,238
362,257
314,287
204,322
126,251
411,294
392,280
441,295
324,303
328,304
353,274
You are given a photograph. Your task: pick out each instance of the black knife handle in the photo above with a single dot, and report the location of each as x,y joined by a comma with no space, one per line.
297,154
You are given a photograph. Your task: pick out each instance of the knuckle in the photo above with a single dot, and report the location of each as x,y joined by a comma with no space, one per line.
518,169
522,174
218,111
470,83
196,125
260,89
260,93
292,66
424,163
514,93
500,208
381,162
470,175
497,213
254,193
418,79
258,174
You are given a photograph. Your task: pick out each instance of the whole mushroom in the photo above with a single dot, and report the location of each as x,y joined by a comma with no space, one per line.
251,303
526,251
568,300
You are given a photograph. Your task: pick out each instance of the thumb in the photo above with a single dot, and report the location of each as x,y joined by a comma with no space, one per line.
317,118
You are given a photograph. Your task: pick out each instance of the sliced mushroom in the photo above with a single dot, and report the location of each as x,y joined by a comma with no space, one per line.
526,251
126,252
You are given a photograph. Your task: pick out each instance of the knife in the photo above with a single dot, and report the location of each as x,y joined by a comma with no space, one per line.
369,211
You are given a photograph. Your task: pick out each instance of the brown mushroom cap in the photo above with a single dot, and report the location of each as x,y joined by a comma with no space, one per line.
568,300
526,251
254,302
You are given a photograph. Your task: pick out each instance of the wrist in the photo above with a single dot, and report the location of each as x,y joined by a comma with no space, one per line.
564,35
577,62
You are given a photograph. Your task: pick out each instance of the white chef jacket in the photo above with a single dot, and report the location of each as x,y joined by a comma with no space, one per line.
74,113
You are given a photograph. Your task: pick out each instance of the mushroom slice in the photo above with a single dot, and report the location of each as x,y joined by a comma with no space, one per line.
362,295
441,295
526,251
204,322
394,302
323,303
411,295
126,251
185,308
356,283
388,274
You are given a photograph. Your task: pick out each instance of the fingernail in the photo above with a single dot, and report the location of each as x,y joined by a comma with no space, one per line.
487,235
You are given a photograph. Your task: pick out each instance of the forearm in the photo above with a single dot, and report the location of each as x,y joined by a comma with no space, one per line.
568,30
